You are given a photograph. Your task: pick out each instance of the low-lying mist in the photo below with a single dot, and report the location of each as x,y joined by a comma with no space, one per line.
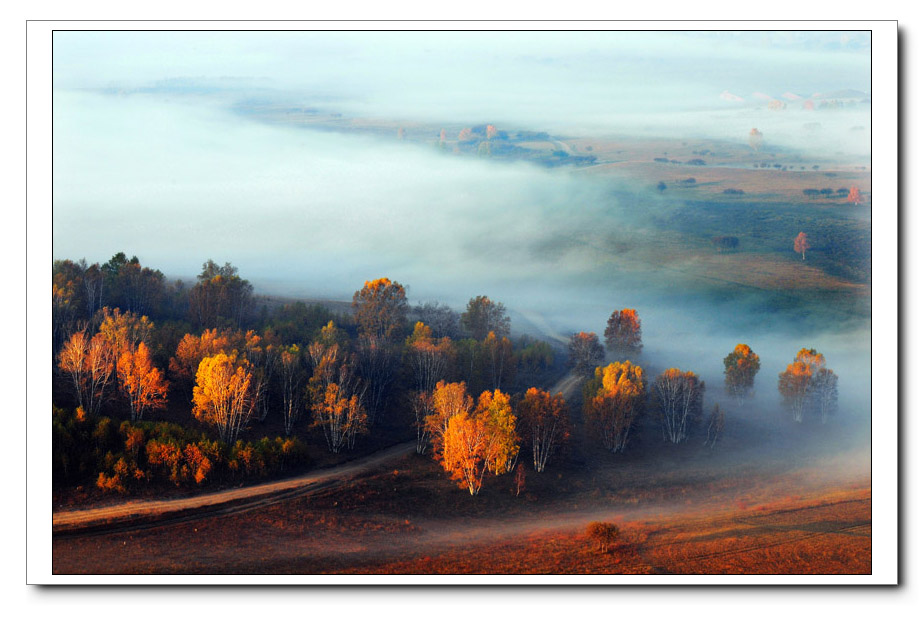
314,214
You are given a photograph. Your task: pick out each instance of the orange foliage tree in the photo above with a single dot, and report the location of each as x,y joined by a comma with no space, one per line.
584,352
612,402
124,331
223,396
546,423
801,244
741,366
141,382
794,386
449,399
624,332
679,399
854,195
480,441
755,139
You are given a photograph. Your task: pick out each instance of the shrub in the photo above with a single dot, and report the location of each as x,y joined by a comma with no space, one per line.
603,535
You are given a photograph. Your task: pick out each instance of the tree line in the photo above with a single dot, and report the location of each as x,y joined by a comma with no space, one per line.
453,374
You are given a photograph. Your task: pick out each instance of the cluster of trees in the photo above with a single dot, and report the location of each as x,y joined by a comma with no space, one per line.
123,456
473,438
807,386
338,373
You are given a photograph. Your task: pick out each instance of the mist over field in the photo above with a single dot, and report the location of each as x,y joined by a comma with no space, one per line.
151,156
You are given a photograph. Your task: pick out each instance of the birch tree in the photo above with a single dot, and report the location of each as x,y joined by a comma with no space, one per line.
679,399
291,382
545,422
336,397
223,396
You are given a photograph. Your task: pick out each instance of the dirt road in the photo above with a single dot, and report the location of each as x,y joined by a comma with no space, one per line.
221,502
162,511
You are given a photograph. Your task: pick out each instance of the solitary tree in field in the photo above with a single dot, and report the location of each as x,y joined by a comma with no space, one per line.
854,195
141,382
545,423
679,400
613,401
801,244
603,535
624,332
483,316
584,352
741,366
755,139
797,381
223,396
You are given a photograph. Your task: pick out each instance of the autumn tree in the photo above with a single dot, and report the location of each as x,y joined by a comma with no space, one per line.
291,383
141,382
380,309
716,426
794,384
223,397
336,395
603,535
90,365
801,244
545,423
741,366
191,350
797,384
448,400
624,332
854,195
483,316
613,401
584,352
481,441
678,398
124,331
755,139
421,403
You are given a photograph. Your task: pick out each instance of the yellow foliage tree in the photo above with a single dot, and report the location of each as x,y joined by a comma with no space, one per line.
613,400
480,441
222,396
